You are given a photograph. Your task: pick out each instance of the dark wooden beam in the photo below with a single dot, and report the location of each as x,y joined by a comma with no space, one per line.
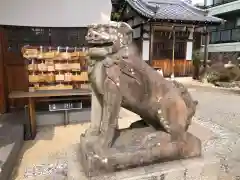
3,78
151,44
173,51
206,37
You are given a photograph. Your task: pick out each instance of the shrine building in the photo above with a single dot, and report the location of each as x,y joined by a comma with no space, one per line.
167,32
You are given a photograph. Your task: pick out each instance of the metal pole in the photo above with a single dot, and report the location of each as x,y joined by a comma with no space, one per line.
66,118
173,53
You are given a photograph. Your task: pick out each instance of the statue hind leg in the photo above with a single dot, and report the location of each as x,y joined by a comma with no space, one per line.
190,103
175,113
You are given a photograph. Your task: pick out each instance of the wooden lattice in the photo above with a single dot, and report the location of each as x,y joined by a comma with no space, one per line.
20,36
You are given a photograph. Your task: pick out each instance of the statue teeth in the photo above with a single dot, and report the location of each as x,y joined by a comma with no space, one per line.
159,99
168,130
105,160
96,156
162,119
132,71
165,124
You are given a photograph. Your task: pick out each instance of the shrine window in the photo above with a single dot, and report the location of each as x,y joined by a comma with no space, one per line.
163,47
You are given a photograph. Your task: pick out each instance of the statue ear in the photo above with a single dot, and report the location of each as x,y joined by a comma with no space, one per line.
125,28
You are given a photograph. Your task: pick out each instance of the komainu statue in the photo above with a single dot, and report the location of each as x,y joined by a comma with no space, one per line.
120,78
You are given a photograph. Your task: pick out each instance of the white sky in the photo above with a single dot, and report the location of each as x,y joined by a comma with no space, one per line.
197,1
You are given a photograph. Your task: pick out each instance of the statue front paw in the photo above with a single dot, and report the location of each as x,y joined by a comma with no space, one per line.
106,138
92,132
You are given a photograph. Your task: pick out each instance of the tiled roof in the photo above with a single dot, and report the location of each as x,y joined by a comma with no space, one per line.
172,10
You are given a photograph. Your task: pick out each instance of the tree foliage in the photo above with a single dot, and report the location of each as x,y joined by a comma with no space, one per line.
197,56
117,10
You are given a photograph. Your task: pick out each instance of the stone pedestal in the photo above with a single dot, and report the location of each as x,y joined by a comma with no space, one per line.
133,148
192,169
200,168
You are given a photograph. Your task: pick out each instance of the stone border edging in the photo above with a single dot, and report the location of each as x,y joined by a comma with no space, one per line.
221,89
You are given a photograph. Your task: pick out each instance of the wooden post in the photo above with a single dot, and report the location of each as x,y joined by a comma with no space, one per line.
206,42
206,36
151,45
3,79
32,116
173,52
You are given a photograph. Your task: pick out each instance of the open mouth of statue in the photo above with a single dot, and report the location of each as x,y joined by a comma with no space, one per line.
91,44
95,38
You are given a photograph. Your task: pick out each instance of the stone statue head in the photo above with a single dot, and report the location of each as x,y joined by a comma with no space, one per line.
115,34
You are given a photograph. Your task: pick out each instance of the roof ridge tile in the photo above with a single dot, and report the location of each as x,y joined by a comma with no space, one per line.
172,10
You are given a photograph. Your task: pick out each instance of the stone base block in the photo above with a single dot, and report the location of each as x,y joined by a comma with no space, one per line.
192,169
133,148
200,168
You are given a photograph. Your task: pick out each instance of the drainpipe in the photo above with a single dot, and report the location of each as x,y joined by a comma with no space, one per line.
205,4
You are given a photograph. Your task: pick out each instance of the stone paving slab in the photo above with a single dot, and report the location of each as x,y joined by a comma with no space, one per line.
11,141
190,83
203,133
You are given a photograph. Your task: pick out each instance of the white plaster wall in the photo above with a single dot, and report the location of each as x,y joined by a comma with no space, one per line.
53,13
209,2
137,32
232,6
224,47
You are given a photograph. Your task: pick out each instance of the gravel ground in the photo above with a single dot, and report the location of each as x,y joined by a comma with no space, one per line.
217,111
220,112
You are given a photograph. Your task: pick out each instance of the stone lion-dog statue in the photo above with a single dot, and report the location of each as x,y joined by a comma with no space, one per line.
120,78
